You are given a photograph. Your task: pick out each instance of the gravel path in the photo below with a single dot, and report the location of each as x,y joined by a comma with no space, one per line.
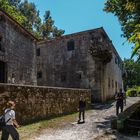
96,127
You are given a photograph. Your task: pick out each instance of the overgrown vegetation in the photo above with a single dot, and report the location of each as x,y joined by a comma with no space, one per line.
27,15
135,91
30,131
132,73
128,14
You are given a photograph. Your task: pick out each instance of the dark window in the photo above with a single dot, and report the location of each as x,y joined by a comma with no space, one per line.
116,60
63,77
39,74
70,45
116,86
118,63
38,52
112,84
79,76
109,82
1,48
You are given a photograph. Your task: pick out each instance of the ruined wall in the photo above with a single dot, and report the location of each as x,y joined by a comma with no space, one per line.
62,67
36,103
88,65
68,68
18,53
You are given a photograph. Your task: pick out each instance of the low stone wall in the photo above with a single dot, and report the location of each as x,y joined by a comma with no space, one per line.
127,121
38,102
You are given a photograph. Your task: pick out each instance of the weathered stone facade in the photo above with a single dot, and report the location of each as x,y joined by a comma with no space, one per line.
86,59
36,103
17,52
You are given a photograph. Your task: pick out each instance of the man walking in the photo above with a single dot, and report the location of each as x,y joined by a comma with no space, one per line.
119,101
82,106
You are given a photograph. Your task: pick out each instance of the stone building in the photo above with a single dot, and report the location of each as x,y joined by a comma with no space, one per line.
86,60
17,52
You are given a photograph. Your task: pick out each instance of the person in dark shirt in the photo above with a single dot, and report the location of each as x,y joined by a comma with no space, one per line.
82,106
119,101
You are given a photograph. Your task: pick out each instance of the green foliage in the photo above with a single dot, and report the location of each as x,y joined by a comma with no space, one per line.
131,92
33,21
132,73
135,38
14,2
135,91
12,11
57,32
48,30
27,15
128,14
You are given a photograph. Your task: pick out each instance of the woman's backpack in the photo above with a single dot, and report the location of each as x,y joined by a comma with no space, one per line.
2,119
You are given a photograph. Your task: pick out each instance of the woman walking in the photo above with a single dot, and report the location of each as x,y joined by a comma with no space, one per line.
11,123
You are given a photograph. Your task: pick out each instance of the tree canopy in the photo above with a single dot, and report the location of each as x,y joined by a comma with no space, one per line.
128,14
132,73
12,11
27,15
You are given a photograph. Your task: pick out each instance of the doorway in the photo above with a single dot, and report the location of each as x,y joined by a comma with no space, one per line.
2,72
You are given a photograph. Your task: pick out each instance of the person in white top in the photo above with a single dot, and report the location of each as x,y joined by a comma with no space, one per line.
11,123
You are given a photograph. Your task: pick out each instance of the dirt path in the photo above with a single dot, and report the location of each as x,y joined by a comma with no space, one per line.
96,127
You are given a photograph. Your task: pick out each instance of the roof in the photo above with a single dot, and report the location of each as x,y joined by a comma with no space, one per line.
17,24
70,35
100,29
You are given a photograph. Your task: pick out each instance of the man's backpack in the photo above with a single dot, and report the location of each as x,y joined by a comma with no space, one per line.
2,119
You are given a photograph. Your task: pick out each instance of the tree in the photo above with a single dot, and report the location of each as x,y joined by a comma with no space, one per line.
33,22
27,15
12,11
132,74
57,32
48,29
128,14
14,2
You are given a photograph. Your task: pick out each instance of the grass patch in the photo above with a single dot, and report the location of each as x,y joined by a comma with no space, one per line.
27,132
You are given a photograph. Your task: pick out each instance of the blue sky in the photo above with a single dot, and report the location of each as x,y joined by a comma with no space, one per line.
79,15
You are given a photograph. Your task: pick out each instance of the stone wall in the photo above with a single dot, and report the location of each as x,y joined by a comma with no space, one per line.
78,68
18,52
112,78
36,103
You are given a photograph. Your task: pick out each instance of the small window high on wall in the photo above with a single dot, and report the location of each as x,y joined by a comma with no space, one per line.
39,74
1,46
109,82
70,45
38,52
63,77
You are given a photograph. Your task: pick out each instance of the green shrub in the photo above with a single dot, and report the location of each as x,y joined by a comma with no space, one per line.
135,91
131,92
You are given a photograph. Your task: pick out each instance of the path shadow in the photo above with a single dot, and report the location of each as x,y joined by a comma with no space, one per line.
97,106
80,122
